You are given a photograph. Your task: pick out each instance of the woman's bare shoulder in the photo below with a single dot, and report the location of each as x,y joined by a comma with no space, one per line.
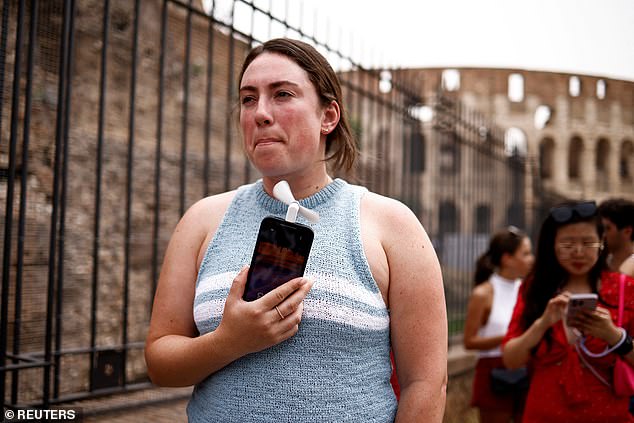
387,210
204,216
483,291
212,207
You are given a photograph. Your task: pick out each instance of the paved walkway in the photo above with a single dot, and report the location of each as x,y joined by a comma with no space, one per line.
163,405
156,405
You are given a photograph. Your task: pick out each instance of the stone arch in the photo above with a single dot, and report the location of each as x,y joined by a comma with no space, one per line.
483,219
515,142
601,162
575,150
448,218
515,215
626,162
546,157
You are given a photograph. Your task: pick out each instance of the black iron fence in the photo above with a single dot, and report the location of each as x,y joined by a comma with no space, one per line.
479,186
117,115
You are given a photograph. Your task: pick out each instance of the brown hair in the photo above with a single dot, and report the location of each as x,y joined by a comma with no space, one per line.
505,241
340,143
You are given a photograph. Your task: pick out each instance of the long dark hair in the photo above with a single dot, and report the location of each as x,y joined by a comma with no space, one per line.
547,277
505,241
340,143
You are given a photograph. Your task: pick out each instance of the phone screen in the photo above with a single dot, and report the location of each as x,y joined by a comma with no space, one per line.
281,252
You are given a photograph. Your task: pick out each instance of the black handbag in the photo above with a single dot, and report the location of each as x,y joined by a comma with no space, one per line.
507,381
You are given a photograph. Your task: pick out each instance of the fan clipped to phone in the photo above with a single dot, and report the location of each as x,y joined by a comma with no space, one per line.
281,248
282,191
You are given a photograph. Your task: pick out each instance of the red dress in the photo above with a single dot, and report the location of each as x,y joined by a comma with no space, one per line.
562,389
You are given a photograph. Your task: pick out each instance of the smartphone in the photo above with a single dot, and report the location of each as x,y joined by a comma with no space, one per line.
280,254
579,302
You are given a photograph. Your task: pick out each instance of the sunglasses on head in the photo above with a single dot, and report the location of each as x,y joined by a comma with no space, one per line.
563,214
514,230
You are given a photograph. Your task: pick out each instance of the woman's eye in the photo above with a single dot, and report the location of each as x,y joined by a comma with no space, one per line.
283,94
247,99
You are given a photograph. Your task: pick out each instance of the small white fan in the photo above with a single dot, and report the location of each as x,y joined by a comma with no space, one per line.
282,191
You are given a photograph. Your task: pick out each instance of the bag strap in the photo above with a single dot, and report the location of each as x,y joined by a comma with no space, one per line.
591,368
621,299
619,321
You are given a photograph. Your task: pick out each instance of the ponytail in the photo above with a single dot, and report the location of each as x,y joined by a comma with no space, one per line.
505,241
484,269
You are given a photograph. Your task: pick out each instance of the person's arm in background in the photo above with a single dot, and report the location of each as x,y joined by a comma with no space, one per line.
517,350
478,308
418,316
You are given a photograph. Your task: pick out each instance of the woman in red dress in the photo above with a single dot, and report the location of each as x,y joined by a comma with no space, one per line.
569,260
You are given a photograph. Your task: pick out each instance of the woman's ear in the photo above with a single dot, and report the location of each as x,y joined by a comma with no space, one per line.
627,231
504,260
330,117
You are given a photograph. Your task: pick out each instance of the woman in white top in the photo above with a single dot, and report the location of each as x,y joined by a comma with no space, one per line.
497,278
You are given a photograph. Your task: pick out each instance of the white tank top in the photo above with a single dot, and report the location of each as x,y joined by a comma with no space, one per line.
504,297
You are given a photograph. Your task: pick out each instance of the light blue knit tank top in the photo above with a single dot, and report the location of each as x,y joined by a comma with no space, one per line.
337,367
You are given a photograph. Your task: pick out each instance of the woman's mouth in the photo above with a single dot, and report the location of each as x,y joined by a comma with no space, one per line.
263,142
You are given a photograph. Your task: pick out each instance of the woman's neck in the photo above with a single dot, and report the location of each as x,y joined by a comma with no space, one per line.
578,284
507,274
301,186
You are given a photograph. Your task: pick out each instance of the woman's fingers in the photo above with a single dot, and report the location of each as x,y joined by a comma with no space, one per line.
555,307
267,321
291,320
296,288
239,282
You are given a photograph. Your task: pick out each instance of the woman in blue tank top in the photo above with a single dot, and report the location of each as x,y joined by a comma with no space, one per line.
317,348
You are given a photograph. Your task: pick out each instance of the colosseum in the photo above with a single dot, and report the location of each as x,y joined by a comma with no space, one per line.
577,131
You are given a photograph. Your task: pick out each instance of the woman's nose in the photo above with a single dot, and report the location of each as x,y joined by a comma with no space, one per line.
263,115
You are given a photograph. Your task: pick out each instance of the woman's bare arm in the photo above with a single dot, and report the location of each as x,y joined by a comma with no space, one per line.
418,316
517,351
477,312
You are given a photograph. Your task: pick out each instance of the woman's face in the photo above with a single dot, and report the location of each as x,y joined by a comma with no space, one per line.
577,247
281,117
522,260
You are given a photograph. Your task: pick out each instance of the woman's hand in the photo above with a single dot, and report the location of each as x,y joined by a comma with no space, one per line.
517,351
555,309
597,323
256,325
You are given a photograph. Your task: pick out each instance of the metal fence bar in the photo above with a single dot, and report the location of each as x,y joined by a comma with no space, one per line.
26,132
96,244
229,123
60,131
208,101
129,184
63,203
4,35
159,151
185,115
13,141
